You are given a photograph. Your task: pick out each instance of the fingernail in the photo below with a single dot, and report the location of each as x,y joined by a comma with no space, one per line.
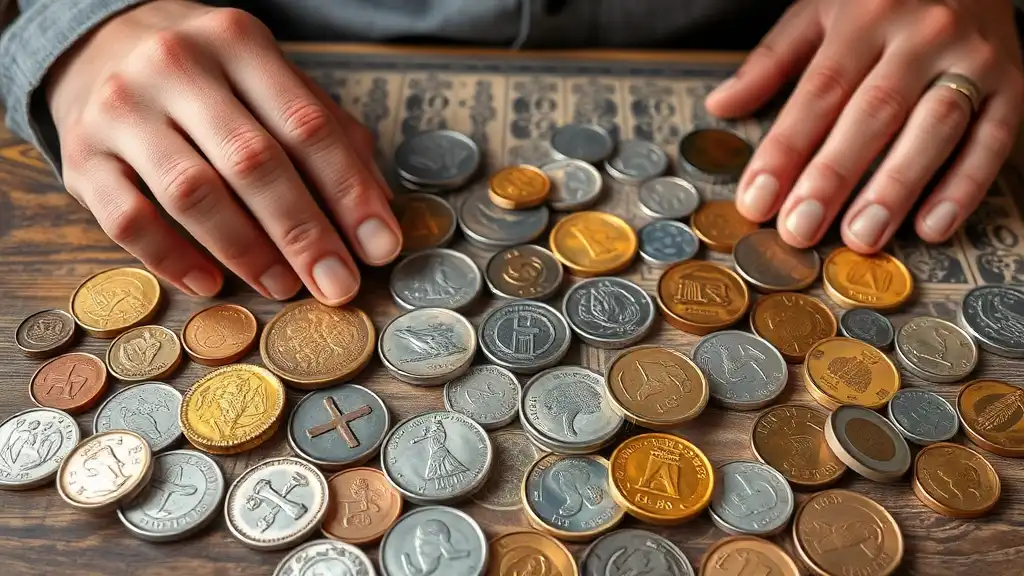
723,86
378,241
201,283
805,220
759,198
382,181
870,224
280,282
942,218
334,278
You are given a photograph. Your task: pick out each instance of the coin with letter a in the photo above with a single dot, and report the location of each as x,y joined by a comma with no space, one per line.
823,513
575,185
720,225
232,409
744,372
488,394
764,260
734,555
436,278
363,506
935,350
73,382
114,300
568,498
33,444
994,316
428,346
668,197
665,242
105,470
656,387
955,481
792,322
991,414
45,334
791,439
144,353
526,271
427,221
878,281
750,498
609,312
922,417
701,297
525,337
149,409
867,326
324,557
593,243
418,542
338,426
220,334
632,551
516,553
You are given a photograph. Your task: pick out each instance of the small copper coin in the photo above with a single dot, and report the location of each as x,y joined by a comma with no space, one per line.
827,524
714,155
519,187
992,414
220,334
524,553
741,555
74,383
719,225
45,333
426,221
702,297
791,439
955,481
771,265
144,353
792,322
362,506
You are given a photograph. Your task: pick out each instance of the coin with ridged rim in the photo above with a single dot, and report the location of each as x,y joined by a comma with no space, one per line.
935,350
841,371
339,426
955,481
731,556
656,387
526,271
323,557
592,243
232,409
922,417
609,312
45,333
549,486
867,443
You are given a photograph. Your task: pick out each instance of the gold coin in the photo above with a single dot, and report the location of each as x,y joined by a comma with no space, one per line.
792,323
523,553
661,478
955,481
720,225
232,409
847,371
701,297
656,387
791,439
144,353
743,555
828,520
219,335
879,281
311,345
519,187
112,301
992,415
105,470
593,243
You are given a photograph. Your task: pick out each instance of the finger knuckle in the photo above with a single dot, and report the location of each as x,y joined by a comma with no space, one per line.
884,103
831,173
307,123
116,98
937,25
125,222
783,145
169,52
948,111
348,187
998,137
249,154
189,188
827,83
301,235
233,24
895,182
77,148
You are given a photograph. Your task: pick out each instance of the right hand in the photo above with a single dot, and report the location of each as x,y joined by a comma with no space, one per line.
201,104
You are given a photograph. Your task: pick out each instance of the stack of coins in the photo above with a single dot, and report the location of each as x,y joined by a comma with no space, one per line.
437,161
566,410
519,187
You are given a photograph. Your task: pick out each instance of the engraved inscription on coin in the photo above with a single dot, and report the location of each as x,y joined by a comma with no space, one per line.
437,158
73,382
526,271
567,497
922,417
575,185
846,371
144,353
635,161
867,326
220,334
487,394
714,154
586,142
656,387
867,443
665,242
720,226
338,426
428,346
791,439
792,323
363,506
593,243
609,312
490,227
519,187
115,300
767,262
434,540
426,221
744,372
323,558
935,350
105,470
149,409
955,481
513,455
524,337
33,444
668,197
992,414
232,409
879,281
751,498
700,297
45,333
436,278
568,406
523,553
632,551
743,555
843,532
994,315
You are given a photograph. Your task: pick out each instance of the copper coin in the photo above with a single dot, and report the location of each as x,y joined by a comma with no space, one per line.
529,553
702,297
719,225
426,220
992,412
45,333
220,334
955,481
742,555
839,532
362,506
144,353
791,439
74,383
792,322
771,265
714,154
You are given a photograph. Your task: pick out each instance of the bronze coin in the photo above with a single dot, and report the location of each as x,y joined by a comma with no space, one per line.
791,439
792,322
426,221
74,383
771,265
714,154
220,334
747,555
720,225
955,481
992,412
843,532
362,506
45,333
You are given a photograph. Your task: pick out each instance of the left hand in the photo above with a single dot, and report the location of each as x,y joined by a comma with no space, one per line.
868,83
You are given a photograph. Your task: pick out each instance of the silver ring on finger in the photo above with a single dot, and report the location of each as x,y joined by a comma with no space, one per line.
962,84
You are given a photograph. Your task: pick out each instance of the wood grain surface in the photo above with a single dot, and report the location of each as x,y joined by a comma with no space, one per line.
48,244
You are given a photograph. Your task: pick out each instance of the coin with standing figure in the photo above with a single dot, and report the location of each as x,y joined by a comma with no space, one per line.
841,371
575,185
567,497
362,506
994,316
519,187
609,312
991,414
714,155
750,498
45,333
823,514
490,227
566,410
339,426
427,221
771,265
656,387
33,444
513,455
520,553
922,417
636,161
701,297
436,278
791,439
105,470
434,540
668,197
632,551
220,334
955,481
144,353
867,326
232,409
867,443
665,242
878,281
428,346
935,350
593,243
734,555
525,337
587,142
112,301
488,394
526,271
792,323
149,409
73,382
325,557
744,372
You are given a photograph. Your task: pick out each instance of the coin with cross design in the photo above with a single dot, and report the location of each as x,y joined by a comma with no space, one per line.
338,427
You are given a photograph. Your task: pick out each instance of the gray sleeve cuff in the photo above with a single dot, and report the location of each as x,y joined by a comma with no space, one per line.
29,47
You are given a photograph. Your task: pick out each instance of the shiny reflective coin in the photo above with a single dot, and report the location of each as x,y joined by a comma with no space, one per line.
955,481
423,189
751,498
771,265
867,326
992,417
114,300
144,353
593,243
513,455
668,197
426,221
149,409
519,187
635,161
45,334
516,553
994,316
219,335
436,278
491,227
935,350
338,427
632,551
363,506
609,312
276,504
791,439
105,470
325,558
744,372
733,556
526,271
567,497
525,337
922,417
714,155
702,297
792,322
841,371
878,281
438,158
656,387
73,382
33,444
566,410
183,496
837,510
720,225
437,458
585,142
428,346
232,409
867,443
665,242
575,185
489,395
434,540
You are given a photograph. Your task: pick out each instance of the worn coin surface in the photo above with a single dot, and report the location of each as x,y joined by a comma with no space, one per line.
771,265
567,497
73,382
426,221
992,416
519,187
488,394
609,312
513,455
434,540
751,498
994,316
791,439
428,346
183,496
525,337
586,142
149,409
867,326
323,558
490,227
144,353
338,426
744,372
105,470
45,333
845,371
33,444
441,158
935,350
701,297
867,443
736,555
232,409
567,406
668,197
656,387
665,242
112,301
714,155
436,278
522,553
362,506
632,551
220,334
827,513
526,271
635,161
792,322
955,481
878,281
593,243
922,417
575,185
720,225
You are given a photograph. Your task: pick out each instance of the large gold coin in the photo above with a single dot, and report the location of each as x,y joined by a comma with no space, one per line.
841,371
992,412
720,225
523,553
879,281
661,478
112,301
519,187
702,297
656,387
105,470
311,345
829,520
743,555
232,409
792,323
791,439
144,353
593,243
955,481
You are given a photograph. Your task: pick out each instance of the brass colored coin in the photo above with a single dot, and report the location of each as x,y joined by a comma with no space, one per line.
741,555
701,297
73,382
46,333
842,370
105,470
219,335
593,243
426,221
992,414
879,282
362,506
771,265
114,300
232,409
955,481
523,553
719,225
828,522
144,353
661,478
656,387
519,187
792,322
311,345
791,439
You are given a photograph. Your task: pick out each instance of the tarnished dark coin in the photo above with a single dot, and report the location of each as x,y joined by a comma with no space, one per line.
867,326
714,155
771,265
45,333
427,221
586,142
526,271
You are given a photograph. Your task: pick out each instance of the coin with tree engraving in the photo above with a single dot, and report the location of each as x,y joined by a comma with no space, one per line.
632,551
434,540
567,410
149,409
609,312
744,372
33,444
636,161
526,271
490,227
922,417
513,455
586,142
436,278
45,333
524,336
438,158
428,346
487,394
575,185
867,326
994,316
665,242
567,497
339,426
751,498
935,350
325,558
668,197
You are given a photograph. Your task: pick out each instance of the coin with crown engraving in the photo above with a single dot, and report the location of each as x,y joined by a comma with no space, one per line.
526,271
525,337
434,540
935,350
575,185
491,227
339,426
567,411
633,551
609,312
428,346
922,417
867,443
567,497
994,316
751,498
438,158
665,242
324,558
45,333
427,221
636,161
867,326
587,142
744,372
488,394
43,438
436,278
149,409
668,197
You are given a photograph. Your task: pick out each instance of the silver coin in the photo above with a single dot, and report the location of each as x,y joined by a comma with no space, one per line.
149,409
45,333
183,496
994,316
668,197
513,455
276,504
487,394
434,540
567,406
935,350
437,457
636,161
524,336
570,495
526,271
33,444
922,417
751,498
436,278
867,443
490,227
609,312
339,426
428,346
575,185
325,558
586,142
744,372
441,158
665,242
420,188
867,326
634,551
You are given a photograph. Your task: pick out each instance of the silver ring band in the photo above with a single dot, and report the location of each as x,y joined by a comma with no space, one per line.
962,84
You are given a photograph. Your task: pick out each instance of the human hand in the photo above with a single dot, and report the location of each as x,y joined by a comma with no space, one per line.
868,82
201,104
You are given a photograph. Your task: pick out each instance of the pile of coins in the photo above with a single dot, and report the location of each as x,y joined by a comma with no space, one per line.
568,492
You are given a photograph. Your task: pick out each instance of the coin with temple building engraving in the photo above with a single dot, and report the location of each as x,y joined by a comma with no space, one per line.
744,372
526,271
587,142
428,346
525,337
632,551
435,540
339,426
668,197
992,414
701,297
436,278
994,316
635,161
935,350
567,497
491,227
922,417
867,326
149,409
665,242
438,158
751,498
45,333
575,185
325,558
609,312
488,394
33,444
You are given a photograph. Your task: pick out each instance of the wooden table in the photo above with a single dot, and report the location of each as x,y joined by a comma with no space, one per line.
508,103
